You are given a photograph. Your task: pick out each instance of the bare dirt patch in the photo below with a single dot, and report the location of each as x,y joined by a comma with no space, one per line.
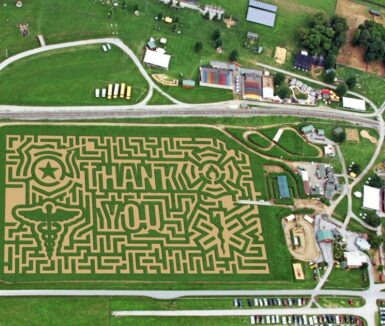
350,56
307,249
365,134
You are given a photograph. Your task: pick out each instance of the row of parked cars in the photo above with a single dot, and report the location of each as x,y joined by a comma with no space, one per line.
307,320
270,302
382,313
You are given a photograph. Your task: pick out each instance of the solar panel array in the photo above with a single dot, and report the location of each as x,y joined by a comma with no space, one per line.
259,16
263,5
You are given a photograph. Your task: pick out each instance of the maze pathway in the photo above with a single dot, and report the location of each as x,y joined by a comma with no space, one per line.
110,202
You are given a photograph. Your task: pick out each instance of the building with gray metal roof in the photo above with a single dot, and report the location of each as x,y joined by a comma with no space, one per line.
262,17
263,5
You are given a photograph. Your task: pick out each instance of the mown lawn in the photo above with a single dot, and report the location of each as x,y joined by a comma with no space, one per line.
68,20
341,210
158,99
368,84
339,301
181,321
69,77
346,279
259,140
63,311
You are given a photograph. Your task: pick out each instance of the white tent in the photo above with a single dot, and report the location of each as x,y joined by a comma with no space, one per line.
157,59
372,198
353,103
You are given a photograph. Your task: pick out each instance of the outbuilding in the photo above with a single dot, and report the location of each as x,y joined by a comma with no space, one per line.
353,103
325,236
372,198
354,259
157,59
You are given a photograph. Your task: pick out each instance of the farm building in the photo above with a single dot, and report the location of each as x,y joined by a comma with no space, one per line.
215,77
268,87
329,150
157,59
321,171
354,259
252,86
283,187
353,103
372,198
188,83
262,17
278,135
303,61
263,5
308,129
325,236
362,244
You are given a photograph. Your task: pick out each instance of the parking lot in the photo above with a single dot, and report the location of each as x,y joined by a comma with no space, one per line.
270,302
307,320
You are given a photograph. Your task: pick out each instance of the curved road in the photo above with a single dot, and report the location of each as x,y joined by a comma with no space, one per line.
215,109
115,41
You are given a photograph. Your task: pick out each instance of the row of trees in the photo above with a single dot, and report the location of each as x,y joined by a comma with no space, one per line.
371,35
217,43
324,36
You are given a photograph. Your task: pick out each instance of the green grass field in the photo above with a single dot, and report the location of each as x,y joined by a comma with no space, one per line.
339,301
60,172
341,210
54,311
56,22
370,85
346,279
158,99
69,77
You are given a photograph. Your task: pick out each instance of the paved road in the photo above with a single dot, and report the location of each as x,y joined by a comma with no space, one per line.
216,109
314,81
76,113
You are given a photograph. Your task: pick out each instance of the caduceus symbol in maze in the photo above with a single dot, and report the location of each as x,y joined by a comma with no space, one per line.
47,220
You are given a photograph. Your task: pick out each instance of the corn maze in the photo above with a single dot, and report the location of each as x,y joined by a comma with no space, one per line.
126,203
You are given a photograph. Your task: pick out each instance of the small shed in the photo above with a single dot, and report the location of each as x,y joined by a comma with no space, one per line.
187,83
375,12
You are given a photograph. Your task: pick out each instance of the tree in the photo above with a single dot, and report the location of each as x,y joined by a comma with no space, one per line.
284,92
323,35
330,60
376,182
216,34
340,137
160,16
218,43
341,89
234,55
372,219
124,4
279,78
136,7
198,47
351,82
330,77
375,240
371,36
355,168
